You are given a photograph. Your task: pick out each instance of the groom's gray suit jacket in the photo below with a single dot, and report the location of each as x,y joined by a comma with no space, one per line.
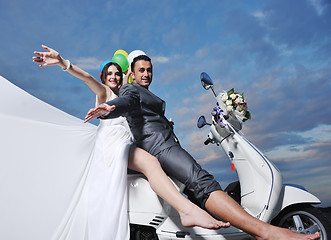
145,114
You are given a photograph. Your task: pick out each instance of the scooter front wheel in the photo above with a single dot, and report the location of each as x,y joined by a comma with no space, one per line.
304,219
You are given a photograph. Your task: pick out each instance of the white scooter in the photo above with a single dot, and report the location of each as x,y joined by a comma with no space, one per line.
260,191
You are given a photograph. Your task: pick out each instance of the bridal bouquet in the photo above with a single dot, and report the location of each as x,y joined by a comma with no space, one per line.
235,105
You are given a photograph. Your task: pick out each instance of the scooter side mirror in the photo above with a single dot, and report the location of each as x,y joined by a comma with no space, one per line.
206,81
201,122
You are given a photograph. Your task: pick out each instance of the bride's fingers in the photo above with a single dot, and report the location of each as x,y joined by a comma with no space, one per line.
38,59
43,65
46,48
38,53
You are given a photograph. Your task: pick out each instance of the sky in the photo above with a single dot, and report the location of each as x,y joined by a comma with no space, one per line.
275,51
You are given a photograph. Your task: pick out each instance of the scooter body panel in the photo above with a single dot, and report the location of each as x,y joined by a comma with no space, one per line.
292,195
260,180
145,206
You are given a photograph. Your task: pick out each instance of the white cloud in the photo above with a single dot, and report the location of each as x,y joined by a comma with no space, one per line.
89,63
318,6
211,156
259,14
282,49
179,35
160,59
316,151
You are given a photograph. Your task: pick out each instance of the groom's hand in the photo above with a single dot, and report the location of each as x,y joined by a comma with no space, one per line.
99,111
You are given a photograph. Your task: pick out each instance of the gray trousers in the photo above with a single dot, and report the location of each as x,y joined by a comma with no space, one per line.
178,163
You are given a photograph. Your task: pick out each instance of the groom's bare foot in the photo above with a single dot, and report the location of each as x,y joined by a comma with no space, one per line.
195,216
277,233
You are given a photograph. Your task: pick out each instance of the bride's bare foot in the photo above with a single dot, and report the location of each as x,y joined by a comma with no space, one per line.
195,216
277,233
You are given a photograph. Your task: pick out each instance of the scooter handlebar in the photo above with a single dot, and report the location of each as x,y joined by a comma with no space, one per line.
207,141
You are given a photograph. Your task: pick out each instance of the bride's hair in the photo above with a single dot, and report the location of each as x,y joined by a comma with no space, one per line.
105,70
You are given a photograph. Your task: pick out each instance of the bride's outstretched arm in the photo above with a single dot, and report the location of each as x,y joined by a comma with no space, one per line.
52,57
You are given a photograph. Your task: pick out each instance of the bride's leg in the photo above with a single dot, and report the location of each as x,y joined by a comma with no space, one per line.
190,214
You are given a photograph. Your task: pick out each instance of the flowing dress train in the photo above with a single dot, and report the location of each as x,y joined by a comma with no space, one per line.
60,178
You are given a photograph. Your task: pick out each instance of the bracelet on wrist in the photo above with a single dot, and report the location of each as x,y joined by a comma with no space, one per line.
68,66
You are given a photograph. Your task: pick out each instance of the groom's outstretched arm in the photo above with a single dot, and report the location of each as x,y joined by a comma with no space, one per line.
127,102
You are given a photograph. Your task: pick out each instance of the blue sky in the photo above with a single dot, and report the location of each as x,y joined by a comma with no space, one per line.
276,52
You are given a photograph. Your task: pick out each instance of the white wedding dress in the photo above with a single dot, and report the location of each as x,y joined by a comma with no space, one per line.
60,178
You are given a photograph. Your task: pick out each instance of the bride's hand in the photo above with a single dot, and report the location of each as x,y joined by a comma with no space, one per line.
99,111
51,57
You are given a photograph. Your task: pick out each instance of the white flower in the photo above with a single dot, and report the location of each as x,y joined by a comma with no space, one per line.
224,97
239,100
233,96
239,108
228,102
229,108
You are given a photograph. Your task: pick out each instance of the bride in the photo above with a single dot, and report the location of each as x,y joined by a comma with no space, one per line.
63,179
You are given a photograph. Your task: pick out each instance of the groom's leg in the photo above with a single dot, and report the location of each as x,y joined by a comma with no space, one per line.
178,163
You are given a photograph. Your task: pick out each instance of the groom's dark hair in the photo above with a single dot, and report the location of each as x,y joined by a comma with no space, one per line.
140,57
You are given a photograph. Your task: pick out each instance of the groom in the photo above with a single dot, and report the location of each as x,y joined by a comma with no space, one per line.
153,132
